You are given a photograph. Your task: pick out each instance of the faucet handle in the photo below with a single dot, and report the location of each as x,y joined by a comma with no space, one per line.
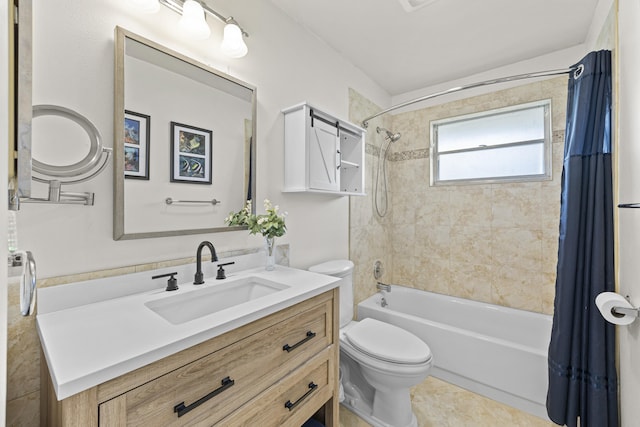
221,274
172,283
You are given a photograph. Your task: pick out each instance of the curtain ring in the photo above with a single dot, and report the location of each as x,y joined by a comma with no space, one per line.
578,72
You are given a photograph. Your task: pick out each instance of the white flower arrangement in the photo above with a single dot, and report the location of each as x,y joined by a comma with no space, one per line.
270,225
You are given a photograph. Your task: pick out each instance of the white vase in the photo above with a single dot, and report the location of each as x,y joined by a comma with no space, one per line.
270,243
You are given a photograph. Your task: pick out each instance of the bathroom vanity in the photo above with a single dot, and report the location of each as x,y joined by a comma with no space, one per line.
274,363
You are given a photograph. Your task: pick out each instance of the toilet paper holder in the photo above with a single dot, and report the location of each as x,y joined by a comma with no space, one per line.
617,309
625,311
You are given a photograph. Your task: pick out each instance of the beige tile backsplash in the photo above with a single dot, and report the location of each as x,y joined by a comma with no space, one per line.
23,346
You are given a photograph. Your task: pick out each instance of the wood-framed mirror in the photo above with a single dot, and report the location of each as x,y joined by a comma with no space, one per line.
184,142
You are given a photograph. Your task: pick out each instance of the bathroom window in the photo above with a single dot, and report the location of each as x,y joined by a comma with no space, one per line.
507,144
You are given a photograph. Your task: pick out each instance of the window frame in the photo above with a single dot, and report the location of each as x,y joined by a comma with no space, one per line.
547,146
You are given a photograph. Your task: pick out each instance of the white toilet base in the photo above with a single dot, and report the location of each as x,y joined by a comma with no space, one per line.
364,411
393,407
374,380
367,389
359,397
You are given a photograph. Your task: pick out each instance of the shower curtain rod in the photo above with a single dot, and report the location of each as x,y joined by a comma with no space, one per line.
365,122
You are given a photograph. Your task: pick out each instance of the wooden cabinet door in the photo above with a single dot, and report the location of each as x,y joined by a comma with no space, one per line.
210,388
291,401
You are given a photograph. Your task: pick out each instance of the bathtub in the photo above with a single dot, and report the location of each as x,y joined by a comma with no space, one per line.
495,351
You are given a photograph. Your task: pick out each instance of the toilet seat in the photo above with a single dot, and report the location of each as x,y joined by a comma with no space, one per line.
388,343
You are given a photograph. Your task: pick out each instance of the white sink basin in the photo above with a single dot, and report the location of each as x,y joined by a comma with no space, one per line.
209,299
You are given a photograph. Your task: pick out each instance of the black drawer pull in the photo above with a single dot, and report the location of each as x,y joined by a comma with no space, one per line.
288,348
290,405
181,409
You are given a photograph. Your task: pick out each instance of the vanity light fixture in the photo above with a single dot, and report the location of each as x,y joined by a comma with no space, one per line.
194,24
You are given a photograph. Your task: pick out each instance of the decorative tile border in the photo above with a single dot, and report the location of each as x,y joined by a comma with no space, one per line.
557,136
371,149
421,153
282,258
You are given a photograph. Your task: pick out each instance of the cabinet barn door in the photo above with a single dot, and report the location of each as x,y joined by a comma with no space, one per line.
324,160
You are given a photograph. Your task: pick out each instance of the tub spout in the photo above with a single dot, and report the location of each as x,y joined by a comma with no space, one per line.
383,287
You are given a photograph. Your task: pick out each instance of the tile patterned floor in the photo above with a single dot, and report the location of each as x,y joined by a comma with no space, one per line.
440,404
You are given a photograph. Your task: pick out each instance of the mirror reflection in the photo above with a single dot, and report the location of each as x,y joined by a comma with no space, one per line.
184,151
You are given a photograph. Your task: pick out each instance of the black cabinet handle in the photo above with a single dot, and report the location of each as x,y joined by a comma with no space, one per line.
290,406
181,409
288,348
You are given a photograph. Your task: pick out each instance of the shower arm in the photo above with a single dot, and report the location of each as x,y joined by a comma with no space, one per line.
365,122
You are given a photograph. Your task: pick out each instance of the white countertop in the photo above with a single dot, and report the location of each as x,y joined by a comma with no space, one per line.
88,344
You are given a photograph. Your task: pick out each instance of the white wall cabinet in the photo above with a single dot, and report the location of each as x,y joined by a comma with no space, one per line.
322,154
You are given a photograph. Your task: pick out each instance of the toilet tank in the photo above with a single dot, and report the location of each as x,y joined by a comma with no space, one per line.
342,268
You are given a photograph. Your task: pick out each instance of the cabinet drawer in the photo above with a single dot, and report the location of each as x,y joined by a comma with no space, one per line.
291,401
251,365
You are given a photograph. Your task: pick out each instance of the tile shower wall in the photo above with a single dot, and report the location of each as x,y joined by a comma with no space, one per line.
492,243
370,236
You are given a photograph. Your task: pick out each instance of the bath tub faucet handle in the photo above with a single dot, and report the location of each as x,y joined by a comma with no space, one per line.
383,287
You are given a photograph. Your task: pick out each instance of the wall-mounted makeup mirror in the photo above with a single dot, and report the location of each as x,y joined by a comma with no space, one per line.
184,149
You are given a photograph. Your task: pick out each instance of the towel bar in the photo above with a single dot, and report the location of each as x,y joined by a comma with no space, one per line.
213,202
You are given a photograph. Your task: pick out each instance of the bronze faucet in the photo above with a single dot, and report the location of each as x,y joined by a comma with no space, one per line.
199,277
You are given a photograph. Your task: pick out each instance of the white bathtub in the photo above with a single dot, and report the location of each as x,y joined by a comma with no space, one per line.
495,351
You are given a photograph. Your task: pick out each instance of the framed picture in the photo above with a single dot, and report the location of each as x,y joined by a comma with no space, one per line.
137,128
191,156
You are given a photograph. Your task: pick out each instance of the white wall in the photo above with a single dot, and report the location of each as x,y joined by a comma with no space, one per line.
73,67
551,61
602,30
4,124
628,139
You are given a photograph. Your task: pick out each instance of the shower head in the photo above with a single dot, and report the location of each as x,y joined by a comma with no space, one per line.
393,137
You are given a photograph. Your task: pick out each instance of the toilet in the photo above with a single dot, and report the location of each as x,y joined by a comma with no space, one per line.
379,362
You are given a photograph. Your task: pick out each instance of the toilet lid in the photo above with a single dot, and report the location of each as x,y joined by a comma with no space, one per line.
387,342
338,267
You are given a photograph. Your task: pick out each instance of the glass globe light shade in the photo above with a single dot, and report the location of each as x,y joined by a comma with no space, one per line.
192,23
233,44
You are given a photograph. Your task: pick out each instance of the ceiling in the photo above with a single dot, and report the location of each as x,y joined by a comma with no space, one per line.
441,40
